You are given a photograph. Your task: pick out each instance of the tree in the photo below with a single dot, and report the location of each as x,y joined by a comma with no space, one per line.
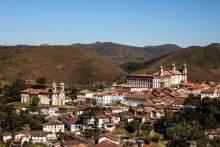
133,126
35,101
41,80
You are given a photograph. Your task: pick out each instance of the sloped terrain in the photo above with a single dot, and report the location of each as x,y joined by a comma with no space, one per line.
67,63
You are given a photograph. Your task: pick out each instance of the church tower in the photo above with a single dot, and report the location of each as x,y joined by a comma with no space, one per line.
54,87
61,96
160,73
54,94
173,67
184,72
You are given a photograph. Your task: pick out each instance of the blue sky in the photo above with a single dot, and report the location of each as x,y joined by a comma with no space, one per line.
131,22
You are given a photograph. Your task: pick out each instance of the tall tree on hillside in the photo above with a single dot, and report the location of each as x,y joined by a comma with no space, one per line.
35,101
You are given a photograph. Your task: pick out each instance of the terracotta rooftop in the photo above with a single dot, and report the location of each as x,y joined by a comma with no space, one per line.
53,123
110,136
73,120
106,143
213,131
85,91
6,133
144,96
38,133
212,90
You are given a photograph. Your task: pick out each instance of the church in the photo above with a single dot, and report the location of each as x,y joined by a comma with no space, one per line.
54,95
160,79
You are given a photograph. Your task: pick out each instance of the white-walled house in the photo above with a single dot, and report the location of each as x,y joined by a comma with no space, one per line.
116,109
6,136
84,94
100,120
72,124
41,136
102,98
211,92
52,111
213,133
110,137
53,126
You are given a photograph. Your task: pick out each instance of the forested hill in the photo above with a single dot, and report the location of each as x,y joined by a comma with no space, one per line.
203,62
119,53
67,63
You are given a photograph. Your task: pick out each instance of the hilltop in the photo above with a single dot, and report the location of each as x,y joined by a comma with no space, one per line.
120,54
203,62
67,63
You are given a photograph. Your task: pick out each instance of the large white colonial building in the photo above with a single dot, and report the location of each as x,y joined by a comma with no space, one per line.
159,79
50,96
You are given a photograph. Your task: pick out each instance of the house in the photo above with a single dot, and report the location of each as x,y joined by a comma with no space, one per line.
162,101
131,87
100,120
138,98
149,106
141,111
52,111
211,92
72,124
106,143
102,98
6,136
50,96
41,136
178,103
115,109
110,137
110,126
113,117
116,94
83,95
79,110
53,126
213,133
158,113
126,116
20,137
159,79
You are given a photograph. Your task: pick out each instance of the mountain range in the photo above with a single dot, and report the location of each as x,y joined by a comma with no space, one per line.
120,54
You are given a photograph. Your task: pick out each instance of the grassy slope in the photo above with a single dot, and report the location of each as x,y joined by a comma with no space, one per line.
67,63
203,62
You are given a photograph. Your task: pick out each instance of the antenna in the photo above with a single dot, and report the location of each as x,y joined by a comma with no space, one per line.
5,44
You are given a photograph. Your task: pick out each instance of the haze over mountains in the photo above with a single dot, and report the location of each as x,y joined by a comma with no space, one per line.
119,53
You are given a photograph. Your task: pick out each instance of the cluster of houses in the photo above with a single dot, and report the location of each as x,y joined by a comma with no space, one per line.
144,98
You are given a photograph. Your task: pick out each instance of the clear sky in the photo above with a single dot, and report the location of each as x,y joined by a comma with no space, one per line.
131,22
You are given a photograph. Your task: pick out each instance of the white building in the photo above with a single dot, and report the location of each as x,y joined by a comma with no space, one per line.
52,111
6,136
50,96
159,79
84,94
72,124
100,120
53,126
102,98
211,92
